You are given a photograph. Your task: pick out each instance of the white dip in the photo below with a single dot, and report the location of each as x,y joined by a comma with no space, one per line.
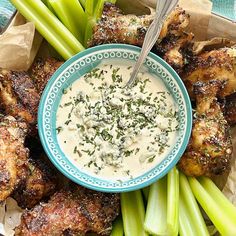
114,132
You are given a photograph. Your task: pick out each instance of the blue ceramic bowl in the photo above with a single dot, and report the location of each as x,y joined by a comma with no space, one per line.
79,65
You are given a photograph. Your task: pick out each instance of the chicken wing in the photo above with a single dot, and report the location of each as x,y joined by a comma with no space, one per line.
20,91
71,211
39,184
13,155
18,96
115,27
174,49
210,148
217,64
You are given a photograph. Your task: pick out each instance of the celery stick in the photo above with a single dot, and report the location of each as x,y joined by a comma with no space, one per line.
83,2
58,27
145,192
223,220
219,197
185,222
195,215
156,213
99,9
117,227
47,3
133,213
89,29
44,29
173,201
71,15
89,7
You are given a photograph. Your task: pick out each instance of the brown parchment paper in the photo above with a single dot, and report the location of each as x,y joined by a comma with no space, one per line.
20,43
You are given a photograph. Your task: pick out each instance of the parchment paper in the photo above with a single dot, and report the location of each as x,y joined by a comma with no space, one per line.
20,43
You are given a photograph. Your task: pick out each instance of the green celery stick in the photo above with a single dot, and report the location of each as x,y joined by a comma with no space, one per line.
156,213
44,28
173,201
71,15
133,213
90,6
217,209
83,2
196,219
58,27
185,222
117,227
89,29
219,197
99,8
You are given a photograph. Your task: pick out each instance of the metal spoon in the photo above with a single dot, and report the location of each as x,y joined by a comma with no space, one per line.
163,9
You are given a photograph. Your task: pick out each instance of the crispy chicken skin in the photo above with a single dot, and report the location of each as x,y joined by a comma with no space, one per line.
174,50
13,155
217,64
209,150
42,70
40,183
19,96
71,211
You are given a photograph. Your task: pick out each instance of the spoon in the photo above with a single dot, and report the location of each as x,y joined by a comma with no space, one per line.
163,9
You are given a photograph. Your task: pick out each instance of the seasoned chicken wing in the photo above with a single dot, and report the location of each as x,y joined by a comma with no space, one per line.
175,50
13,155
40,183
209,150
114,27
219,64
20,91
19,96
71,211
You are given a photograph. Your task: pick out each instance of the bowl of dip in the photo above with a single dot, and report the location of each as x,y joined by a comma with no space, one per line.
105,136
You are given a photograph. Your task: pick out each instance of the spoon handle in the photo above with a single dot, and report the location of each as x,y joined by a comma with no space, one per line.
163,9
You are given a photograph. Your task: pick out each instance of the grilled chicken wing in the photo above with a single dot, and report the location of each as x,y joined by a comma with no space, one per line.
20,91
40,183
209,150
114,27
217,64
71,211
13,155
19,96
175,50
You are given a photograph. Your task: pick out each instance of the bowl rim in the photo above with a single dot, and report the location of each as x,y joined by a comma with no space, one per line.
178,155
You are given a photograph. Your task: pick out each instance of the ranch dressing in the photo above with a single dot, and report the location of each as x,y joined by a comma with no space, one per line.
114,132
